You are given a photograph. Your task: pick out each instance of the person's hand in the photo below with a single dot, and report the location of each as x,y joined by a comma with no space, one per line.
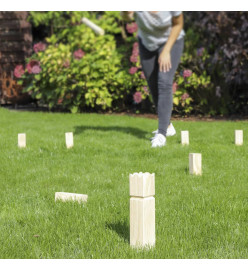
164,61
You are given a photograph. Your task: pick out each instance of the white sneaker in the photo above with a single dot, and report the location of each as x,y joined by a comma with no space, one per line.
170,131
158,140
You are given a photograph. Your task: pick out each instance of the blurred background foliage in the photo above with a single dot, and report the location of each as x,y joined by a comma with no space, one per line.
74,69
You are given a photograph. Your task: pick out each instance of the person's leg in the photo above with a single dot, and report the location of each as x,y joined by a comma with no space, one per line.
165,81
150,68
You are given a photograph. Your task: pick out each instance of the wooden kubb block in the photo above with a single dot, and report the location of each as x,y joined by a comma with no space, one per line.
142,209
69,139
98,30
195,164
22,140
185,137
64,196
238,137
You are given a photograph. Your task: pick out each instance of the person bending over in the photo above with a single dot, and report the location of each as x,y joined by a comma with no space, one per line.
161,42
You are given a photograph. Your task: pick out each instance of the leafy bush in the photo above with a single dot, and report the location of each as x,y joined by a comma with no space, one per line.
192,83
224,38
75,78
78,70
86,71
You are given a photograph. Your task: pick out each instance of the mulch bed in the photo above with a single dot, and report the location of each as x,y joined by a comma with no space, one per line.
145,115
188,118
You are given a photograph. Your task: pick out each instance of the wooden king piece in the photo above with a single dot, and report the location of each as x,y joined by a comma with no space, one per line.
142,210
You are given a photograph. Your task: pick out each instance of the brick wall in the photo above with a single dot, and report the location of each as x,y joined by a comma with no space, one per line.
15,45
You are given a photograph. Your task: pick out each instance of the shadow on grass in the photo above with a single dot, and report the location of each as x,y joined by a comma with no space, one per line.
121,228
139,133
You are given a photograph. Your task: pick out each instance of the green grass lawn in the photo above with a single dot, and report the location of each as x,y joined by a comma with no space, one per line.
196,216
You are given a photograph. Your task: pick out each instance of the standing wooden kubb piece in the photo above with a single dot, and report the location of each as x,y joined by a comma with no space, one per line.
185,137
142,210
22,140
195,164
238,137
69,139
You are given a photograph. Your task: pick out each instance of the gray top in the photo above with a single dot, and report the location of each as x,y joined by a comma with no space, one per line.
154,28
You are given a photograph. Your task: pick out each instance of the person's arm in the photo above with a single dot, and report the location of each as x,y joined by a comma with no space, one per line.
127,15
164,58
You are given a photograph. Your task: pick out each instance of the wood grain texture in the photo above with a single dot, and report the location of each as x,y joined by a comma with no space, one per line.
142,222
69,139
98,30
22,140
239,137
195,164
185,137
142,209
142,184
65,196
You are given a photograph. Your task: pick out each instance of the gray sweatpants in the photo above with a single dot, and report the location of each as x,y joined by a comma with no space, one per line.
160,83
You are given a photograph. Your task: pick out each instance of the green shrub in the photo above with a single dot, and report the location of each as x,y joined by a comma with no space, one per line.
79,70
223,35
192,84
83,73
